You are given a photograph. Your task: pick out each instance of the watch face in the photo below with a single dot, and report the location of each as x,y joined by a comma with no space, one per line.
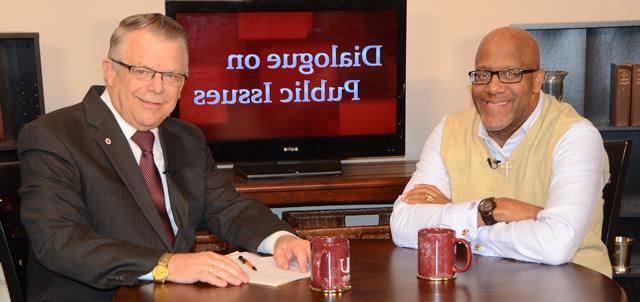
160,273
486,205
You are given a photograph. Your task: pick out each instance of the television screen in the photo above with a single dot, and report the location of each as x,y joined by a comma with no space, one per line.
293,79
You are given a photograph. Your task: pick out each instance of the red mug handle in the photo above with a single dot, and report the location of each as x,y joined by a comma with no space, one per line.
468,263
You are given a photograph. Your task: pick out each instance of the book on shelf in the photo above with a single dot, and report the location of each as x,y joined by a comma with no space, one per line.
620,94
635,95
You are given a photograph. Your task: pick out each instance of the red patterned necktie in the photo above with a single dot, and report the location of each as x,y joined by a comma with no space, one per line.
145,139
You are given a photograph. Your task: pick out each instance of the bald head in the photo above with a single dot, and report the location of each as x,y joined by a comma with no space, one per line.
503,107
510,42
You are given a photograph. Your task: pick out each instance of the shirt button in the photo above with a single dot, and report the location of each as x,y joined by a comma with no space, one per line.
465,232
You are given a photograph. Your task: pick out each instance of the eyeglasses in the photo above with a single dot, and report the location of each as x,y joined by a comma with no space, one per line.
146,74
506,76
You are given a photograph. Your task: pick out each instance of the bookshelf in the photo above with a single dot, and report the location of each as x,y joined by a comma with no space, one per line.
586,51
21,93
8,151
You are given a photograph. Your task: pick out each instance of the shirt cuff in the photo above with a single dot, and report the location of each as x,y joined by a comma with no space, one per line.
463,218
268,245
479,244
147,277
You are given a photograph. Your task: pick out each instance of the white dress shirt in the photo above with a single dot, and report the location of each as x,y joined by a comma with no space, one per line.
556,234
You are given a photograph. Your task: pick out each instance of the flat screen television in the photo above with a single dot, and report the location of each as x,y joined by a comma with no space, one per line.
304,82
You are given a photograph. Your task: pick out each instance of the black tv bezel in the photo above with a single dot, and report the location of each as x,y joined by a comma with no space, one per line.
335,147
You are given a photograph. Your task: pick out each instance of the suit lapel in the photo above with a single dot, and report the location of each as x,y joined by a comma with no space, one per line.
115,146
173,158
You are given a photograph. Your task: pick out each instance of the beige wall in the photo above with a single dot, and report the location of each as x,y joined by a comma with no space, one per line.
441,41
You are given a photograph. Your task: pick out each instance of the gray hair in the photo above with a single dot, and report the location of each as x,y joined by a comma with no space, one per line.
157,23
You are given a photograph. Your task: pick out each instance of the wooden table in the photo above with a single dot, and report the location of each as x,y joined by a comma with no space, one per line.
382,272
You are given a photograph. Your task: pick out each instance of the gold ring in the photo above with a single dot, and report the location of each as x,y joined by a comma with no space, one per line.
428,197
210,269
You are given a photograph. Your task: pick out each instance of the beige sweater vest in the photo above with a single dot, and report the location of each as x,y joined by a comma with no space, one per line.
528,171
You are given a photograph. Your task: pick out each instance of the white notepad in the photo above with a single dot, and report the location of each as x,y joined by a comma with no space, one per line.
268,272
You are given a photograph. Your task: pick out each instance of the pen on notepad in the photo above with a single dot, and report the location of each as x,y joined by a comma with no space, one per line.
247,263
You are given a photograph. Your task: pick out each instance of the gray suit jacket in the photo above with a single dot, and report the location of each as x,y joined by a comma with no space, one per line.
89,217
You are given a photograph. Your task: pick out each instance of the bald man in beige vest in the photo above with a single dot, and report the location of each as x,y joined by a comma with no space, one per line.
519,174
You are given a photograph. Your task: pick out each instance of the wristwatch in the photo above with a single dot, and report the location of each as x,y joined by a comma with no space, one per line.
485,208
160,273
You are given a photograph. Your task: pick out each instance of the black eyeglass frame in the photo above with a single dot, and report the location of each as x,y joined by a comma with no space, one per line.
162,73
520,71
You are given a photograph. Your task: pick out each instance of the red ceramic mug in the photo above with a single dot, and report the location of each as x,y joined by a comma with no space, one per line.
330,265
436,254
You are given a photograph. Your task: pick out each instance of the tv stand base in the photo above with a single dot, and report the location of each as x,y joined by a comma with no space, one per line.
256,170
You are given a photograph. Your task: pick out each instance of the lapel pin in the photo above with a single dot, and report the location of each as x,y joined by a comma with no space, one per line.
107,141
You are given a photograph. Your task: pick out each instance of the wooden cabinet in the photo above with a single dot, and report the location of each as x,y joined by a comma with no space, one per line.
359,183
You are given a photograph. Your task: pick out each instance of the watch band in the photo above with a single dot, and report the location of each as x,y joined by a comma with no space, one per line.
160,273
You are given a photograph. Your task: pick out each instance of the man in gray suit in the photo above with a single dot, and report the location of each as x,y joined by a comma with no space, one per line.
103,210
